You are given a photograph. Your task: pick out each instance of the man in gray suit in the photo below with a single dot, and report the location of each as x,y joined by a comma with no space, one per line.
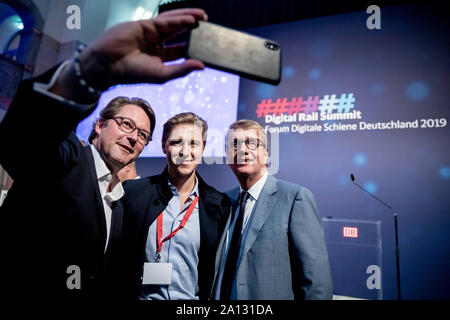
273,247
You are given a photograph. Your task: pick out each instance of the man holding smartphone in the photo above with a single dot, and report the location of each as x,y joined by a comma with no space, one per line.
54,219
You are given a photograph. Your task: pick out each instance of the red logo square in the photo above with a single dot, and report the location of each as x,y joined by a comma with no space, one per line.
350,232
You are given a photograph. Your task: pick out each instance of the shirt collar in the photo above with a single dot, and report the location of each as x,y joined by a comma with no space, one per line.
175,191
101,169
256,189
103,174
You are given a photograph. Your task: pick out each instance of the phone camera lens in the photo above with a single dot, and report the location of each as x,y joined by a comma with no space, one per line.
271,46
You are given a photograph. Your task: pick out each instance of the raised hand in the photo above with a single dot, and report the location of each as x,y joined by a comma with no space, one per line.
134,52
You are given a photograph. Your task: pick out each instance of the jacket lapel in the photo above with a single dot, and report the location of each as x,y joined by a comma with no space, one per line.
159,200
155,203
233,195
208,222
209,213
262,210
116,225
100,209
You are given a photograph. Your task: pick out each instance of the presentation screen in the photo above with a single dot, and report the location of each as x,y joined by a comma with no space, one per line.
209,93
372,102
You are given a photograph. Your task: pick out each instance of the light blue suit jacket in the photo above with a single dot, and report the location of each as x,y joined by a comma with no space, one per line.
284,256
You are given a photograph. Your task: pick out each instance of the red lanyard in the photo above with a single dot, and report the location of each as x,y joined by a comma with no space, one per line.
159,224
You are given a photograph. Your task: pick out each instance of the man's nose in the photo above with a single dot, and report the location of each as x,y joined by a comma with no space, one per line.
133,137
242,151
242,148
186,149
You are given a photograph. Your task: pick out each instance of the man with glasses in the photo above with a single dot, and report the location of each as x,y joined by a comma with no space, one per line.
61,221
77,224
273,247
117,138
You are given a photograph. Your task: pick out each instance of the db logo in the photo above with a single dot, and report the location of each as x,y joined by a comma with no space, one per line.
350,232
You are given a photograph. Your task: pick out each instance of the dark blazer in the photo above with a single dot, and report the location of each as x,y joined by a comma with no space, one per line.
145,199
53,215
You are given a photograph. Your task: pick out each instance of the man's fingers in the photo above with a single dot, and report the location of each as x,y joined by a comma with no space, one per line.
165,28
199,14
172,26
179,70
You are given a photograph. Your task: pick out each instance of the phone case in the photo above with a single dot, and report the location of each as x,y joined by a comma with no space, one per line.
236,52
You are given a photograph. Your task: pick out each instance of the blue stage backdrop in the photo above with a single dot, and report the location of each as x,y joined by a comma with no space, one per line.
372,103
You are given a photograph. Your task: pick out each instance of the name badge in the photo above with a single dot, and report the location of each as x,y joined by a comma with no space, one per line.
157,273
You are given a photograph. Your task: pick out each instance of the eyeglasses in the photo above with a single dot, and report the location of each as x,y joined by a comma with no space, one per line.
251,143
127,125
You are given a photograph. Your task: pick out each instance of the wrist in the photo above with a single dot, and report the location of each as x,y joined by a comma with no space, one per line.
72,83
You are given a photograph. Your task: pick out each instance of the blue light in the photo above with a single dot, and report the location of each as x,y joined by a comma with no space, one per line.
371,187
444,172
20,25
314,74
417,90
288,71
359,159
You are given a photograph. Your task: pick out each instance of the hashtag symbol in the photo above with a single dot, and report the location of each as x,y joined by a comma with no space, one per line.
311,104
263,108
295,106
328,104
345,103
278,107
281,106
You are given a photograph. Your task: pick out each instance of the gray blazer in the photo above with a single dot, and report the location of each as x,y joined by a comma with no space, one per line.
284,256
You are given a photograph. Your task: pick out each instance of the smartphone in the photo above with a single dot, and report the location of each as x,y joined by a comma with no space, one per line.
236,52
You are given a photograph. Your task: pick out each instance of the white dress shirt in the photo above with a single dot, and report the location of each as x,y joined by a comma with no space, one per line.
253,192
104,177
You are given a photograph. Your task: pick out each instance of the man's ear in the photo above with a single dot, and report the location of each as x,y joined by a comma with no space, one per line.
98,125
266,155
